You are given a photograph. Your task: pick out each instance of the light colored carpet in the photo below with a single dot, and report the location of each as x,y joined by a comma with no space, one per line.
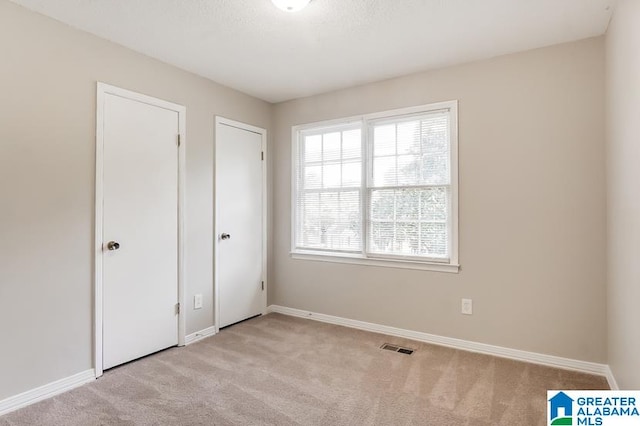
278,370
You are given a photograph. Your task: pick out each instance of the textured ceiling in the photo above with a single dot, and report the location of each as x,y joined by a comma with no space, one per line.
253,47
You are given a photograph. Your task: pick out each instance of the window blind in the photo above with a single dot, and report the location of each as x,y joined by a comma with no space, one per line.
409,186
329,189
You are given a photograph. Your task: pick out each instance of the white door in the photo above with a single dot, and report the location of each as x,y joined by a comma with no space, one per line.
239,223
140,229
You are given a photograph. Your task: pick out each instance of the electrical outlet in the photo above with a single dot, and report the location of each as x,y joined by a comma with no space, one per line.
197,301
467,306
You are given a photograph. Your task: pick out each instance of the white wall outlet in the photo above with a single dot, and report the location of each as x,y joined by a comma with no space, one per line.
197,301
467,306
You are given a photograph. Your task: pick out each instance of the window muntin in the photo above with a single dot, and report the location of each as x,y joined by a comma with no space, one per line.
382,187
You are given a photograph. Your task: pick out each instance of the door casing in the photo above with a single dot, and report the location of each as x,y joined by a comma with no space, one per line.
102,90
216,230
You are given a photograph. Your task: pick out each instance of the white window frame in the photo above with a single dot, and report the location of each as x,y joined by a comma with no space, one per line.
363,258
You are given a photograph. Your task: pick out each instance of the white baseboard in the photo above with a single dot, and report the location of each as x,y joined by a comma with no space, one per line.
611,379
199,335
46,391
515,354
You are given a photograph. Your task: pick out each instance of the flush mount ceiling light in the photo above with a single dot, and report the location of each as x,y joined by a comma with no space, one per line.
291,5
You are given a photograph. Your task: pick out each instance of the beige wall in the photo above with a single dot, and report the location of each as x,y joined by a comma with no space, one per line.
623,189
532,207
48,75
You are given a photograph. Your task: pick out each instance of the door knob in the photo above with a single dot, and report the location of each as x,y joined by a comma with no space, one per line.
113,245
225,236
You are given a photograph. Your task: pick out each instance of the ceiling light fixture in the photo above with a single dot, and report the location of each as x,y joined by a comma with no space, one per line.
291,5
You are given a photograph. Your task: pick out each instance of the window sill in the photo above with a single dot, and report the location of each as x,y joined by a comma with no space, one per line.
385,263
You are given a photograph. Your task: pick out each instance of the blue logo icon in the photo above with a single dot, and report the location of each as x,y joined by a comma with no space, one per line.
561,409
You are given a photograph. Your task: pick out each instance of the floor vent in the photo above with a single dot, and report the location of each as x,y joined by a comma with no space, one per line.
398,349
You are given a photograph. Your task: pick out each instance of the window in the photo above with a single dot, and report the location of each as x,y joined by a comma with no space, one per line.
379,189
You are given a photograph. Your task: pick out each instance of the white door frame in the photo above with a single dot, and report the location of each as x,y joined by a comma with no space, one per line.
103,90
216,285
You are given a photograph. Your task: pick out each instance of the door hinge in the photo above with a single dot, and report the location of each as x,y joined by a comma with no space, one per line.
262,285
178,140
262,155
177,308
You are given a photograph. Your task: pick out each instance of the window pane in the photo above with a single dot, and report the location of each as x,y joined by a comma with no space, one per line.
384,171
382,205
421,150
331,176
331,220
433,240
309,210
407,239
435,169
351,174
329,207
418,218
331,146
351,144
409,137
408,204
312,148
381,237
312,177
434,205
384,140
435,150
347,231
408,170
